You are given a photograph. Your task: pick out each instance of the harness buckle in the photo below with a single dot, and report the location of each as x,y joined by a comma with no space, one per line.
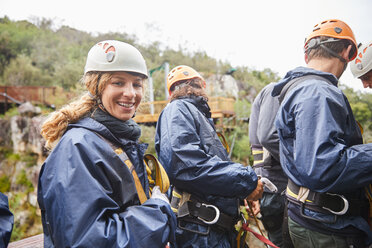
214,221
344,210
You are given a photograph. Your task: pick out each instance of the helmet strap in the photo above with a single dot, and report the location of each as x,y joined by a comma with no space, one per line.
333,53
314,43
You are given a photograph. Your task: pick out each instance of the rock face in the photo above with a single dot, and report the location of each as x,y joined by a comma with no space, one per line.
21,158
223,85
5,134
25,135
25,131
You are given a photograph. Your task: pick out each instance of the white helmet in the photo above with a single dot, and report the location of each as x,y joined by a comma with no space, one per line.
113,55
363,61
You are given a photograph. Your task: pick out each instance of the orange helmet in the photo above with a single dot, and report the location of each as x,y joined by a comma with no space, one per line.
333,28
182,72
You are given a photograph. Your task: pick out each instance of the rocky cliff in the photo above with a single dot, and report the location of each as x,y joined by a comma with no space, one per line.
21,157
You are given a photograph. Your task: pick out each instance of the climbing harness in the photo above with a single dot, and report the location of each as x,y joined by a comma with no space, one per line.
327,203
161,177
189,208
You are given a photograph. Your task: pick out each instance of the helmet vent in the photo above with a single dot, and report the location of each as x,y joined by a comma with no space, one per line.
110,56
315,29
186,73
338,30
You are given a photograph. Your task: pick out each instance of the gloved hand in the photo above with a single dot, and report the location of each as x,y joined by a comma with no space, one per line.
156,194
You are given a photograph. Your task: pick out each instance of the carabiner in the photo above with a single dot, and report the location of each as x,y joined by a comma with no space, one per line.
346,205
214,221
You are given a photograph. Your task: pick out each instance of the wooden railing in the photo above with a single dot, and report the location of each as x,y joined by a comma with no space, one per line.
148,112
34,94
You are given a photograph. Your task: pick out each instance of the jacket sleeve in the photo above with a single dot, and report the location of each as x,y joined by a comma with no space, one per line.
316,127
266,130
6,221
253,122
82,207
181,149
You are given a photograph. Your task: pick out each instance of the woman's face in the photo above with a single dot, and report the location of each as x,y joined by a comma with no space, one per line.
122,95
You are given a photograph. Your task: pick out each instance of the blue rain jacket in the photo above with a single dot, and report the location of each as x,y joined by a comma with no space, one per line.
6,221
88,197
196,162
321,145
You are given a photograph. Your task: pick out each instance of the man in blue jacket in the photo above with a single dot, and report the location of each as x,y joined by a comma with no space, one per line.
198,166
321,148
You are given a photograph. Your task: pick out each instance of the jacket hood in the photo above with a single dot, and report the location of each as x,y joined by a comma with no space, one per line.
299,72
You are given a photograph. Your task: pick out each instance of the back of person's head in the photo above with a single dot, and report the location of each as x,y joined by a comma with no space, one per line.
362,64
184,80
103,59
328,39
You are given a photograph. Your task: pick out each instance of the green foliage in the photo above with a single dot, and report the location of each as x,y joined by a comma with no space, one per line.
32,223
361,111
242,108
361,105
148,137
254,78
241,149
10,113
22,72
13,157
24,181
4,183
15,38
30,159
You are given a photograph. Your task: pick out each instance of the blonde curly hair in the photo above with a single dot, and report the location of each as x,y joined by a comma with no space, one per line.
56,124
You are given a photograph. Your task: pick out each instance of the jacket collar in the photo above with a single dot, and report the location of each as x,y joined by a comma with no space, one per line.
200,103
299,72
95,126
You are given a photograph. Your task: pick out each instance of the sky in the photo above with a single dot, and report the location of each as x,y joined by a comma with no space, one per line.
258,34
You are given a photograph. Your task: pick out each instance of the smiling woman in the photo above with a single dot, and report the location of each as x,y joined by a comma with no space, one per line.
123,94
93,188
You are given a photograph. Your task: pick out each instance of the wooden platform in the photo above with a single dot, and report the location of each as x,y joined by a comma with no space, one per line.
36,241
148,112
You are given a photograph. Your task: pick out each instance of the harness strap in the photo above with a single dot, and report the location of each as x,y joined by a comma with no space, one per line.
327,203
124,157
294,82
187,207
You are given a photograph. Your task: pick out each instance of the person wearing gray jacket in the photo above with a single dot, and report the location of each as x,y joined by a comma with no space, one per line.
265,147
